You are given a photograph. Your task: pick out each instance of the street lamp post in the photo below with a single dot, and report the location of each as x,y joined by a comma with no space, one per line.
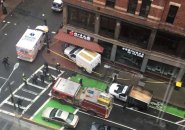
46,38
12,97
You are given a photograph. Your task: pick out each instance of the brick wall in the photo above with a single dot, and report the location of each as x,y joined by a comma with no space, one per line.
158,12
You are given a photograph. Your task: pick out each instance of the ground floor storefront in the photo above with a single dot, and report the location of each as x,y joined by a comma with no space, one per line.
159,66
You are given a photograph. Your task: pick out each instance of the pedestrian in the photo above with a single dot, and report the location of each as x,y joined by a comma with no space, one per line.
5,62
50,78
42,77
24,79
44,72
34,79
19,102
57,67
46,67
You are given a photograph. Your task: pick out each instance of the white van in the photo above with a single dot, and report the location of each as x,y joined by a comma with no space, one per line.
88,60
57,5
84,58
30,43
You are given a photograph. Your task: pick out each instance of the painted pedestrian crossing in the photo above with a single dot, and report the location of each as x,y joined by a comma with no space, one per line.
28,94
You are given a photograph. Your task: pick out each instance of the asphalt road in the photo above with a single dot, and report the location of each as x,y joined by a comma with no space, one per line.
30,14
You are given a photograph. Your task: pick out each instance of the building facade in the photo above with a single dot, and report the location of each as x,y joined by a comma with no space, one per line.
144,35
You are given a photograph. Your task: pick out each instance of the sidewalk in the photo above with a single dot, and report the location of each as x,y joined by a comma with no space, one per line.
10,6
159,89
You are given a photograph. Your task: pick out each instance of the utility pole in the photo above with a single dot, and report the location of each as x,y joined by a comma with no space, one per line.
12,97
46,39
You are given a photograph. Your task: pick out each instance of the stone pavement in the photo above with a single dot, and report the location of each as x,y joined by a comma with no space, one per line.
125,76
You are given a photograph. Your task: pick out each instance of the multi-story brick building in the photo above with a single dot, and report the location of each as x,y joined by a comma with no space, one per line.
145,35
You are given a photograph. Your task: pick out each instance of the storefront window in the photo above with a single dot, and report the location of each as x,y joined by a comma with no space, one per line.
134,34
107,26
127,58
162,69
165,43
81,18
107,49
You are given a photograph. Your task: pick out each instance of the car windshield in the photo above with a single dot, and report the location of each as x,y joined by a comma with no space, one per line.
57,5
53,112
70,118
120,88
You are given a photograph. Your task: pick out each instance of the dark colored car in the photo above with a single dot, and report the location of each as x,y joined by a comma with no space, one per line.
101,126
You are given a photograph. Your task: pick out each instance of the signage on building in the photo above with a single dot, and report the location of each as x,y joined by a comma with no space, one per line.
80,35
133,52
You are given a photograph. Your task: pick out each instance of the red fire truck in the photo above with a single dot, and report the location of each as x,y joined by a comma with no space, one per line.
90,100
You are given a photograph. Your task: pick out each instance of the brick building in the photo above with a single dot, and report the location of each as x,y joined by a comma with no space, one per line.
144,35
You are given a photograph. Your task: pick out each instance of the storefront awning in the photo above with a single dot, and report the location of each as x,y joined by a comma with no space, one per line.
64,37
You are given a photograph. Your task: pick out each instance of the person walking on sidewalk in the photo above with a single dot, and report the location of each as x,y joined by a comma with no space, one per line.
5,62
24,79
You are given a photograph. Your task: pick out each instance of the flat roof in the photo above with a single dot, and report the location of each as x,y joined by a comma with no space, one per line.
29,39
67,86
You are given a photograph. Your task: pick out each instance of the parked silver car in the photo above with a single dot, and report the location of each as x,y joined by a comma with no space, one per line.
67,119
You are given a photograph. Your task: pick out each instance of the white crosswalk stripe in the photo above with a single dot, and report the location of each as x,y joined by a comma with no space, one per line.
29,91
10,103
23,89
23,98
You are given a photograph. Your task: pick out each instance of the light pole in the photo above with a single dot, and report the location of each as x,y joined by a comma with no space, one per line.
14,68
12,97
46,38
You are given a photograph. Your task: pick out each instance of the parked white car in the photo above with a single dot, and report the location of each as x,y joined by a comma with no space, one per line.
65,118
119,91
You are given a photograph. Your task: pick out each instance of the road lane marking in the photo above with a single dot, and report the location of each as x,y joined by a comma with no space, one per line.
4,26
148,114
108,120
180,121
29,91
44,81
10,103
3,78
31,118
12,93
28,107
6,112
36,86
23,98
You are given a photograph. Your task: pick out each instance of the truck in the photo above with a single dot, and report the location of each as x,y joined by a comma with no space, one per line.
133,96
30,43
57,5
91,100
86,59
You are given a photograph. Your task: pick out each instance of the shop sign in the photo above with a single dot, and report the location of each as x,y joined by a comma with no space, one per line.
133,52
79,35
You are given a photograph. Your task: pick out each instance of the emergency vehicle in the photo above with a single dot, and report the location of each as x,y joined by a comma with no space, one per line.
30,43
91,100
